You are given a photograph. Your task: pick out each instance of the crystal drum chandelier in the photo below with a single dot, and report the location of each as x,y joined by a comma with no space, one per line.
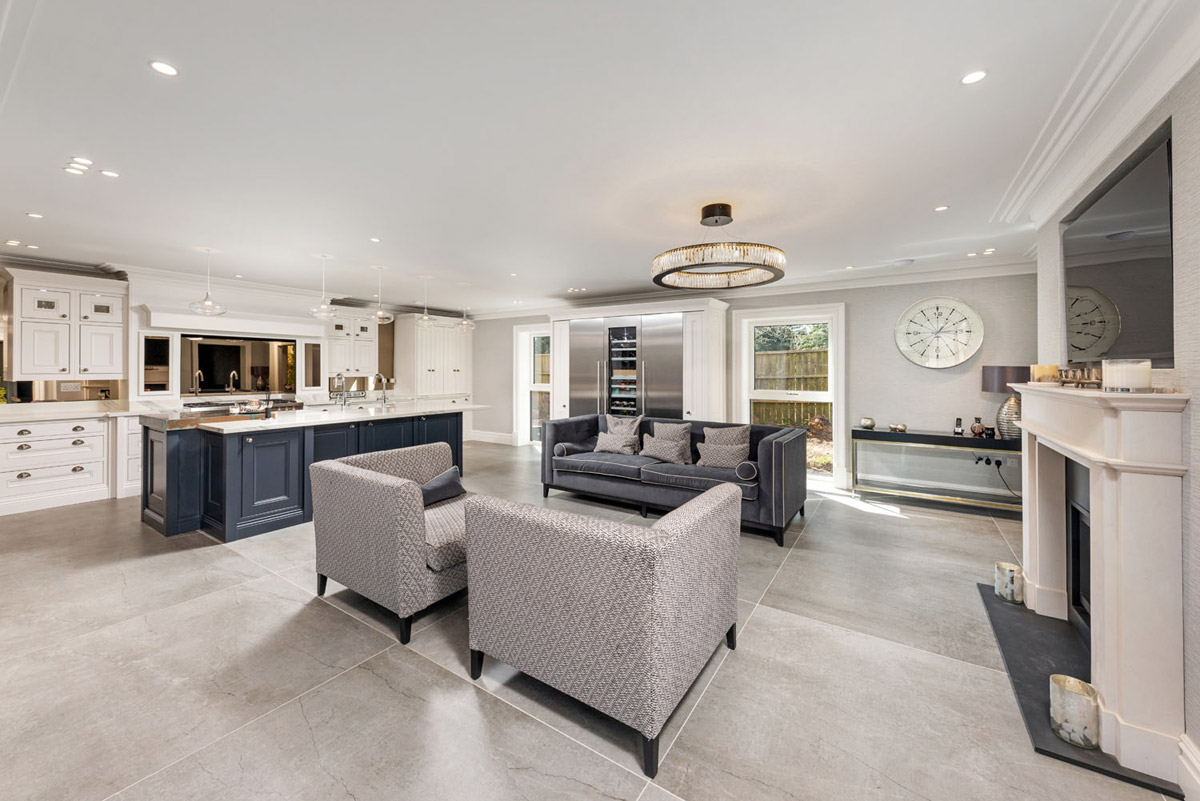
718,265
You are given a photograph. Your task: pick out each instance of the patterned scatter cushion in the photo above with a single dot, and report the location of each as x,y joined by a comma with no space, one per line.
722,455
676,432
616,424
667,450
442,488
729,435
617,443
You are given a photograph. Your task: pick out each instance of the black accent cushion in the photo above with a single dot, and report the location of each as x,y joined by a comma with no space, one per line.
695,477
747,471
618,465
442,487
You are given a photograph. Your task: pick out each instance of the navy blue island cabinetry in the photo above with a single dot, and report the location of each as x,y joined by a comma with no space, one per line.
235,484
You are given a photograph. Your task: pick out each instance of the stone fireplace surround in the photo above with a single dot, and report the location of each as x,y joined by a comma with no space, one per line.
1133,446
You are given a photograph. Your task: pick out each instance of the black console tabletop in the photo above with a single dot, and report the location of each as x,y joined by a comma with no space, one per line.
937,438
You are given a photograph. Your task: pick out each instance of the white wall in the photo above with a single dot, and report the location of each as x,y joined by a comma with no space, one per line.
492,372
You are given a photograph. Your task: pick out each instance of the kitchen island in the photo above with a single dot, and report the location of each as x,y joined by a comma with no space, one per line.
235,476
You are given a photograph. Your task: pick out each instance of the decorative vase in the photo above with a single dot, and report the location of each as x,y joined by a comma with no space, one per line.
1008,417
1074,711
977,428
1010,583
867,423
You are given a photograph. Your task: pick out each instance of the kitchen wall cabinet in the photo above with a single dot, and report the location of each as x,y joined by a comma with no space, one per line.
433,361
45,350
352,346
102,350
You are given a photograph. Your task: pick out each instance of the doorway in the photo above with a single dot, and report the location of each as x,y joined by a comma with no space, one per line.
531,382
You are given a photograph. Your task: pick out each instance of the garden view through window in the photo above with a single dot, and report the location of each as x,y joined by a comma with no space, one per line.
539,393
791,384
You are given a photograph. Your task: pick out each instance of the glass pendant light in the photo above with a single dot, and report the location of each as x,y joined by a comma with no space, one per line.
382,315
323,310
208,307
464,324
425,321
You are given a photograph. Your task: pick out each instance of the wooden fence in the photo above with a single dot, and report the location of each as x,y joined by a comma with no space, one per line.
787,413
792,370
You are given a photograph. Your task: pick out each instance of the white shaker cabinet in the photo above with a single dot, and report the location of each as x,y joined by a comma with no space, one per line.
352,346
102,350
45,349
432,361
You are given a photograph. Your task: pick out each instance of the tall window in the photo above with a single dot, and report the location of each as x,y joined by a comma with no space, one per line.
539,388
790,383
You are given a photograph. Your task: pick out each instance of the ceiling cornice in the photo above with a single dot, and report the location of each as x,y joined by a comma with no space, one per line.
1053,171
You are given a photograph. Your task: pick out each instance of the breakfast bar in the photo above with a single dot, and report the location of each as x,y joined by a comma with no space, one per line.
236,476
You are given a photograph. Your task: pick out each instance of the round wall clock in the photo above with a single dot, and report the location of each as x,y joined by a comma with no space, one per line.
1093,323
939,332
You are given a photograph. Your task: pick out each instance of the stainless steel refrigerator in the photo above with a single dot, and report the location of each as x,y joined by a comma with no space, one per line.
627,365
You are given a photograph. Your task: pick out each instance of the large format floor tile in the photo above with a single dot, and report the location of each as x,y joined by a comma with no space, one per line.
394,728
88,717
803,710
446,643
277,551
72,570
905,575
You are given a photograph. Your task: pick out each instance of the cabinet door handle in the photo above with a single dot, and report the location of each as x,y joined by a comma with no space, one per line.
24,446
77,469
63,316
84,370
353,426
24,432
86,317
62,369
77,428
370,425
78,442
249,440
22,475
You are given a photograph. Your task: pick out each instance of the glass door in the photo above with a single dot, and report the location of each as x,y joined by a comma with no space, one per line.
624,367
791,383
539,388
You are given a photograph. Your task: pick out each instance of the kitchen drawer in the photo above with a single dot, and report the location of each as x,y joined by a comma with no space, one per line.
50,428
47,452
45,304
50,480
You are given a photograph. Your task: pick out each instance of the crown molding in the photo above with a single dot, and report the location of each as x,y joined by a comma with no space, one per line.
1114,47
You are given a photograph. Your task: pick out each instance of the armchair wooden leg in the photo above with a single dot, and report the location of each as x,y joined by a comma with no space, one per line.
321,584
545,490
779,536
731,637
650,756
476,664
405,629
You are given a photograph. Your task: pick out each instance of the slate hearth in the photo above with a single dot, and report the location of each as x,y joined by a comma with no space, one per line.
1034,646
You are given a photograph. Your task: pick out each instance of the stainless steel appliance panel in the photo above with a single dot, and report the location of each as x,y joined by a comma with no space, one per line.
587,352
660,365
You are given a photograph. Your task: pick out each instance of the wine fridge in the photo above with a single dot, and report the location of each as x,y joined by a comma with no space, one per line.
627,365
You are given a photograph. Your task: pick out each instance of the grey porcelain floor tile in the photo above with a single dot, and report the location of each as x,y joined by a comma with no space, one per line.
446,643
813,712
84,719
911,580
1013,534
72,570
294,546
655,793
368,611
396,728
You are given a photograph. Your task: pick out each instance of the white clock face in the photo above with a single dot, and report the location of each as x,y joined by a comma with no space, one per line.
939,332
1093,323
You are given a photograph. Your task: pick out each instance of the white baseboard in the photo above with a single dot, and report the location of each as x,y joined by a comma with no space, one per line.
494,437
1189,767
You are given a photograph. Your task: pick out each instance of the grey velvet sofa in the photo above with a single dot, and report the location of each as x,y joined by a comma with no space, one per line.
620,617
773,481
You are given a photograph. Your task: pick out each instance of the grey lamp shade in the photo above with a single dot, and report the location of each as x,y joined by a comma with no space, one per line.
997,379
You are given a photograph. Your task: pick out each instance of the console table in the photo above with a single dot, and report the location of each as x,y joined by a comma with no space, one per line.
937,466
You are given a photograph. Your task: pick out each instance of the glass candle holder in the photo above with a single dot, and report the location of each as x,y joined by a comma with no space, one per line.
1127,375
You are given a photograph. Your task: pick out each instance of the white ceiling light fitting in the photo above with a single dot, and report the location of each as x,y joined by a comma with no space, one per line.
382,315
81,160
208,307
73,170
425,321
163,68
941,208
464,324
323,310
974,77
33,214
718,265
110,174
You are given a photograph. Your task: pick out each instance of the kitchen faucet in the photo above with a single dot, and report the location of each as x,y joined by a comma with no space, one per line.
233,376
196,379
339,383
382,386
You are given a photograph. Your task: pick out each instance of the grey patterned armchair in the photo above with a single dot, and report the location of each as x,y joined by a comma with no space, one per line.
621,617
375,536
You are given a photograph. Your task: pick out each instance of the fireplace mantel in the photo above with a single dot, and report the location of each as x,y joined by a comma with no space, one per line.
1133,445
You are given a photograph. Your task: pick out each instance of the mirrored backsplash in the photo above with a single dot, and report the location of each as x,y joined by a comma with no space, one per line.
58,391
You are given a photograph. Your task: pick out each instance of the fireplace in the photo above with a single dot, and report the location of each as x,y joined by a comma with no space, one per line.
1079,565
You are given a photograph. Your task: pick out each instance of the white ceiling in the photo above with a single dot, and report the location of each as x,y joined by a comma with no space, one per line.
566,142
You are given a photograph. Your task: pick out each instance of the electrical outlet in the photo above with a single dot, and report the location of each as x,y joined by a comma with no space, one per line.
72,386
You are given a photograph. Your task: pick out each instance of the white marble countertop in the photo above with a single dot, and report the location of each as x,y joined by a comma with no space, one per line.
333,414
77,410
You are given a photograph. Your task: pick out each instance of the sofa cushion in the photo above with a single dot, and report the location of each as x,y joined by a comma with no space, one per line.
445,533
572,448
695,477
667,450
727,456
618,465
617,443
442,487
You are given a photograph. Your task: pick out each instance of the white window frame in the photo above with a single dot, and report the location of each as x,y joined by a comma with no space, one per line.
523,336
744,323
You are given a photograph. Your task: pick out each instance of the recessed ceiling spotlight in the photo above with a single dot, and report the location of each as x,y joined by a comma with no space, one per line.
903,262
849,266
73,170
237,276
82,160
989,251
32,247
110,174
163,68
33,214
12,243
514,275
375,239
974,77
518,302
972,254
941,208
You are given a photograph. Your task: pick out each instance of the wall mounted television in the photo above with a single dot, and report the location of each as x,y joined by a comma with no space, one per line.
1117,263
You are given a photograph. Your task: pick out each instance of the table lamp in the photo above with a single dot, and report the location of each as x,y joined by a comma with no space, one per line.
997,379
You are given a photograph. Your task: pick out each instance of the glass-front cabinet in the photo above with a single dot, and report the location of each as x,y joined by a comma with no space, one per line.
156,376
622,339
